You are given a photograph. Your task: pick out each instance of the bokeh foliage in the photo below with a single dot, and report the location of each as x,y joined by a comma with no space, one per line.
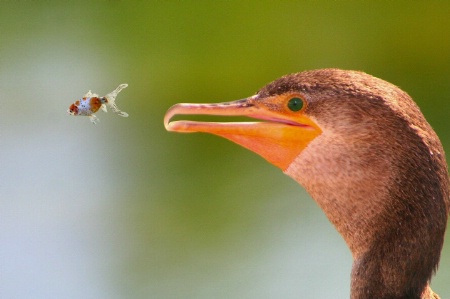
125,209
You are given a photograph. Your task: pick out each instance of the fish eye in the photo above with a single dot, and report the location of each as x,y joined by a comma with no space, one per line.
295,104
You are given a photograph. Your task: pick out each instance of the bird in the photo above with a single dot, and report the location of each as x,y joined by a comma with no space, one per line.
362,149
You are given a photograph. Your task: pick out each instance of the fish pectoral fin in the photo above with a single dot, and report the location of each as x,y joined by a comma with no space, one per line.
94,119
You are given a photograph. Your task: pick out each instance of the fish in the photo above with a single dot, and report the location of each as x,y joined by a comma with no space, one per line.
90,103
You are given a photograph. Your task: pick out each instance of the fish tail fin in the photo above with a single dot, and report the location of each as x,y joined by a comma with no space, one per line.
111,100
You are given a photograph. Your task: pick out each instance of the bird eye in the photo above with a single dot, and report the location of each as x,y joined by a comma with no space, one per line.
295,104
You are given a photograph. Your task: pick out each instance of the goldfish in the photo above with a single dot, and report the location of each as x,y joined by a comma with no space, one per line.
91,103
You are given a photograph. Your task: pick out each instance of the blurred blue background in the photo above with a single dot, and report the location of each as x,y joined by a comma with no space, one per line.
125,209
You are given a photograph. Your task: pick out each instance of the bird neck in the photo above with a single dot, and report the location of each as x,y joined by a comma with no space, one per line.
395,235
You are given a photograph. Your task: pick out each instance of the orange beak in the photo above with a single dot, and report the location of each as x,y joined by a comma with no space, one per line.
279,138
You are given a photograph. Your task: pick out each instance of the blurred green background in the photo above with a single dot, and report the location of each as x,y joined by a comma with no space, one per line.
125,209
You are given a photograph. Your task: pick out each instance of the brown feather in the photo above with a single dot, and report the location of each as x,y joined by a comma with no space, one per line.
379,173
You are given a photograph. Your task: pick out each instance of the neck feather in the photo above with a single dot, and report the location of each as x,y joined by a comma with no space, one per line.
390,209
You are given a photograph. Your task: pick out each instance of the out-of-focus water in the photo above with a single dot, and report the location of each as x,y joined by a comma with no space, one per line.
125,209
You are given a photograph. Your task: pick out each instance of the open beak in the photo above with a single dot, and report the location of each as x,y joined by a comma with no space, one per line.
279,138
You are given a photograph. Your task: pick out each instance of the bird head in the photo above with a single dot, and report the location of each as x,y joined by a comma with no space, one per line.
292,112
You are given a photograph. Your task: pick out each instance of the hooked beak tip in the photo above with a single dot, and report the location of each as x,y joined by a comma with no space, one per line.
226,108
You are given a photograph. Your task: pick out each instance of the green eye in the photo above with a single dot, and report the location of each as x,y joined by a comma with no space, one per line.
295,104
